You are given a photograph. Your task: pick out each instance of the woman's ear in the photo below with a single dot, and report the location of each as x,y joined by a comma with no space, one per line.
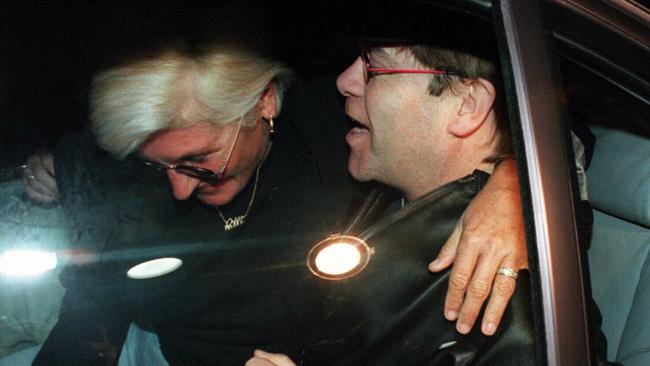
477,100
267,103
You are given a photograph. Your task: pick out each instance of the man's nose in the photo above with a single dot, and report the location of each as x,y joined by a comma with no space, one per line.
182,185
350,82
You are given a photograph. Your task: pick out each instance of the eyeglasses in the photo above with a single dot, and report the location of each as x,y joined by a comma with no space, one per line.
195,171
369,71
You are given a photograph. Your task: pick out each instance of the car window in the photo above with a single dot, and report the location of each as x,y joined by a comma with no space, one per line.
616,174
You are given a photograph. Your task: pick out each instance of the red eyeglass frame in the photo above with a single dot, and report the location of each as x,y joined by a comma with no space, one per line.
369,72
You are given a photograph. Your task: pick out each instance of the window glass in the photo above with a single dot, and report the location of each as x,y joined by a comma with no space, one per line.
617,182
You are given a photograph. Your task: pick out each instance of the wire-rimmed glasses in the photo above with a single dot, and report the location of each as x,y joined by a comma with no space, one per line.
196,171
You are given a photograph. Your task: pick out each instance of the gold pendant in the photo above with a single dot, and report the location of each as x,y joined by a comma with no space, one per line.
233,222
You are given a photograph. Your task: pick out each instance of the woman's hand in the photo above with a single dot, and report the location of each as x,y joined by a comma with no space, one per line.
39,178
490,235
261,358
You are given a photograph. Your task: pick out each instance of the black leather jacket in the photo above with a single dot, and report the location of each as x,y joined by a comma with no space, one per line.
391,313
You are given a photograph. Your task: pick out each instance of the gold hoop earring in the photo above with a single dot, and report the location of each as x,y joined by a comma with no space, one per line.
271,125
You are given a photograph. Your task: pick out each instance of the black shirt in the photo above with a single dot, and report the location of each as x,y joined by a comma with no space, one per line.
226,299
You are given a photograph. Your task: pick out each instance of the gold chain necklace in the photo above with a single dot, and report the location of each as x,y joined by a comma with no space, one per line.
237,221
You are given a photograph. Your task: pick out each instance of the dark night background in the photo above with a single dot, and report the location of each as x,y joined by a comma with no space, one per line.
49,51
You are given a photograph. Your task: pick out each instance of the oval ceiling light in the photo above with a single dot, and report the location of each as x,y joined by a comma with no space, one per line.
339,257
154,268
27,262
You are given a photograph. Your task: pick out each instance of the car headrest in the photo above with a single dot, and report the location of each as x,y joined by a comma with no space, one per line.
619,175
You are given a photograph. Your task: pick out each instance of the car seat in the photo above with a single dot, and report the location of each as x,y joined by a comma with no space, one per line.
619,191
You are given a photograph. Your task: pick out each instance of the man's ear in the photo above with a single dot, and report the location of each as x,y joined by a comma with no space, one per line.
267,103
477,101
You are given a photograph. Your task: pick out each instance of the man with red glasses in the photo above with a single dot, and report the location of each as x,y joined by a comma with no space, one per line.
427,117
427,122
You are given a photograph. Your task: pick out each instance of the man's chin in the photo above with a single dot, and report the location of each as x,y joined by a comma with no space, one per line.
355,168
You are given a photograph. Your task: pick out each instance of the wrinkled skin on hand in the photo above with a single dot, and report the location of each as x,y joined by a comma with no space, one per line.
261,358
39,178
489,235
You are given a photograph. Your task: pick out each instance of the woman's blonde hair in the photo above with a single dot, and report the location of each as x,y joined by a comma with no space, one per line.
218,84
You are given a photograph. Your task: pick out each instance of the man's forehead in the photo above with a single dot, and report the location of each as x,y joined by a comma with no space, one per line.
382,47
390,54
378,50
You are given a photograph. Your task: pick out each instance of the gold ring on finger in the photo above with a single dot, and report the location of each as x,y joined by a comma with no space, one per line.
508,272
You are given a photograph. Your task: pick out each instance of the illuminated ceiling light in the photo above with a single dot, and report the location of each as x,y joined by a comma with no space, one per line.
339,257
27,262
154,268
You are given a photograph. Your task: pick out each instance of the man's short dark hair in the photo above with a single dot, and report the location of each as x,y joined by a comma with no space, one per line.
472,67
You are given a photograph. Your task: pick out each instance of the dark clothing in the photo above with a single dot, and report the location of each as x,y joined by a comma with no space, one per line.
391,312
224,301
249,288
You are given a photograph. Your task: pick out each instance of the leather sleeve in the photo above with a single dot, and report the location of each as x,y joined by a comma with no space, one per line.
392,312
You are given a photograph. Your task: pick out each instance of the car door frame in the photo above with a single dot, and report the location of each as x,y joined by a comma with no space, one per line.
545,172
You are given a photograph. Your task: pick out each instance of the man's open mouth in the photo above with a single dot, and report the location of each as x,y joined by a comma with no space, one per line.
358,127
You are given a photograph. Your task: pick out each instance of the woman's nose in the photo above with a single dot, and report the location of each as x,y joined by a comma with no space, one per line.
182,185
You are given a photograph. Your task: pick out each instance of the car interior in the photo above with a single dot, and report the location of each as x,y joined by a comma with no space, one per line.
607,88
619,260
619,187
615,109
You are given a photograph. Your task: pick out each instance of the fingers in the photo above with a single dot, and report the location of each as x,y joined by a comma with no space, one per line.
459,280
502,291
447,254
262,358
492,236
37,190
477,291
39,179
39,197
47,160
258,361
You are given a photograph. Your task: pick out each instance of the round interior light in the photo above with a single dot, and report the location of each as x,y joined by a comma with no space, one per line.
154,268
339,257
